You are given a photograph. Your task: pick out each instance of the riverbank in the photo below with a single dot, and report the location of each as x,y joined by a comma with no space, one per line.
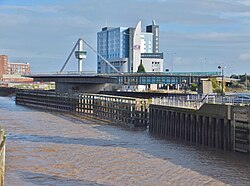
55,149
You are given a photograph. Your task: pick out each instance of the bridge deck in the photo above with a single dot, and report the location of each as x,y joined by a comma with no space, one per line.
127,78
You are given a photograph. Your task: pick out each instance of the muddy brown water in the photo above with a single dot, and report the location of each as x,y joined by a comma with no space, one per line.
48,148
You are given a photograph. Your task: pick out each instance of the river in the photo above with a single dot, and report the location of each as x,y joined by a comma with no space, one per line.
49,148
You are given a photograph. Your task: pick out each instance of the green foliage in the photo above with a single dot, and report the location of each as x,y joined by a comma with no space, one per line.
194,87
215,83
244,81
217,90
234,76
217,86
242,78
141,68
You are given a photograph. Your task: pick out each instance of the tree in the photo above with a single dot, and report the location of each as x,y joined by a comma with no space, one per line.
141,68
194,87
217,86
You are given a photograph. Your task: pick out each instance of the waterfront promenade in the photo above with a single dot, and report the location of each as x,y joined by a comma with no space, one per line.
45,148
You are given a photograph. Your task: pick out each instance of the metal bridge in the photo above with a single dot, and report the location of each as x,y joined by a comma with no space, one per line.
126,78
93,82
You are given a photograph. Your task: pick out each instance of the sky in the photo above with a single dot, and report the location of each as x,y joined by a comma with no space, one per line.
195,35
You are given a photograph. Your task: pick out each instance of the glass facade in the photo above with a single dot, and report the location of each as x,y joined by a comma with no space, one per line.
163,78
126,47
146,42
112,45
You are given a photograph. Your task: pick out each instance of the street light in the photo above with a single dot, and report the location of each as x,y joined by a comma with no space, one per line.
222,77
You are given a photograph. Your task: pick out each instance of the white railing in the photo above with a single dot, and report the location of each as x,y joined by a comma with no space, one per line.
196,101
177,102
63,73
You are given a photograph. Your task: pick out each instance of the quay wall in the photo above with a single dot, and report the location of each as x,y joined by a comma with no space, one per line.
6,91
131,111
218,126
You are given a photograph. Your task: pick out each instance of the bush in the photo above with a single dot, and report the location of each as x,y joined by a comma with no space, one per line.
194,87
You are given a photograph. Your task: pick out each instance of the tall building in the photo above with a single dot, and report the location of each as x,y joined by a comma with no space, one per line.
154,29
127,47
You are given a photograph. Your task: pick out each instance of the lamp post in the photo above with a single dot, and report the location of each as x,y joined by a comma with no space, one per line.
246,81
222,79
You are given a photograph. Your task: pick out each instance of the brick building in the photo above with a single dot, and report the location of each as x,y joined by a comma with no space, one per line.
13,72
3,64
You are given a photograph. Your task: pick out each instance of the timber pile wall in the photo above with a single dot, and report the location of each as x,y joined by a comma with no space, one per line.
2,156
218,126
113,108
6,91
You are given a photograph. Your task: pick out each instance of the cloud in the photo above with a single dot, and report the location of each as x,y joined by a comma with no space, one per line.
43,32
245,56
30,9
182,61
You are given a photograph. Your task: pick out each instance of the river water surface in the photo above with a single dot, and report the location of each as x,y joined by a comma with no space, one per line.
46,148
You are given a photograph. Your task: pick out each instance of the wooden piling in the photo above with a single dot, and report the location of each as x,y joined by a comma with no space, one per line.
2,156
113,108
198,127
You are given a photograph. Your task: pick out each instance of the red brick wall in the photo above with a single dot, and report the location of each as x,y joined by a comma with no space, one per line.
3,64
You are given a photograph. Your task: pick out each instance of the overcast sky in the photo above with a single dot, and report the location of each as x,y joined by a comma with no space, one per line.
195,35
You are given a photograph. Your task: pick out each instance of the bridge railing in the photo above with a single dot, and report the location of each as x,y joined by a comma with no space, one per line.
129,74
63,73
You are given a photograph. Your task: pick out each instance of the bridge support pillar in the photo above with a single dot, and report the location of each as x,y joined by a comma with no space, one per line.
177,87
167,87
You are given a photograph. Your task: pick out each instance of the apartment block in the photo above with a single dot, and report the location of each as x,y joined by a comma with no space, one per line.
13,72
127,47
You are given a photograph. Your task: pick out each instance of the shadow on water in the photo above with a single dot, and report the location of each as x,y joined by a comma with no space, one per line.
8,104
229,167
66,140
45,179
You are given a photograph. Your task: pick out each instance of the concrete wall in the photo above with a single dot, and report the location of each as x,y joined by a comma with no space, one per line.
216,110
205,87
152,64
